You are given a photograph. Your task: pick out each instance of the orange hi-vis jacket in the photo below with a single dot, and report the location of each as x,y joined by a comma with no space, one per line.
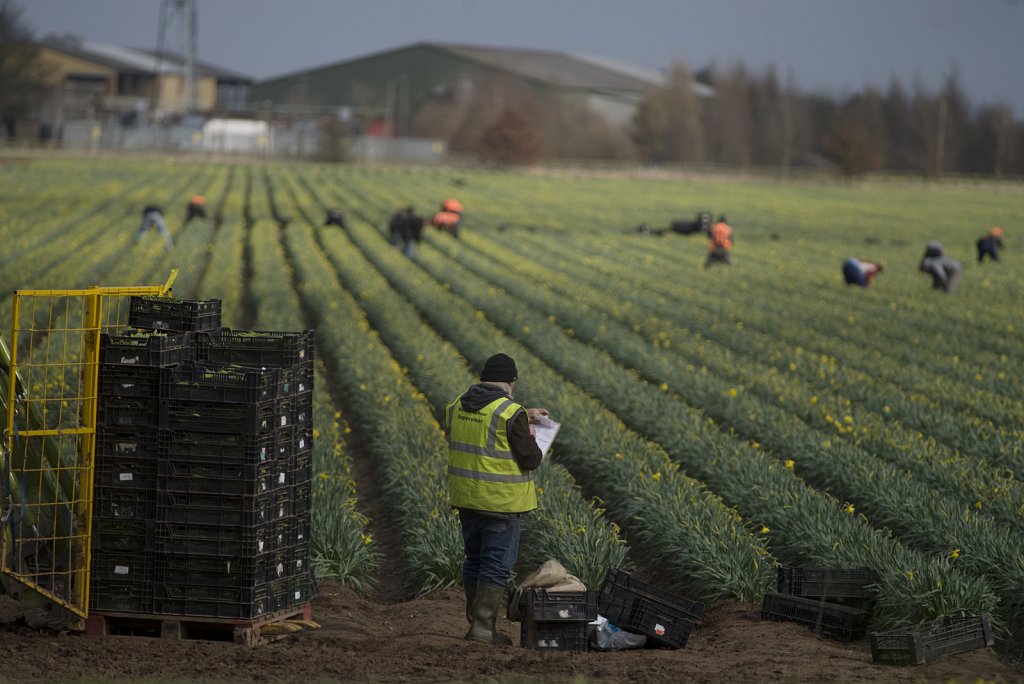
721,236
446,219
452,205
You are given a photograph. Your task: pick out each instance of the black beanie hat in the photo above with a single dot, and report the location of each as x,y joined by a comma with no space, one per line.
499,368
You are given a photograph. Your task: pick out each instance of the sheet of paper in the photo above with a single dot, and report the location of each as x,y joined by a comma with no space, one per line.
544,431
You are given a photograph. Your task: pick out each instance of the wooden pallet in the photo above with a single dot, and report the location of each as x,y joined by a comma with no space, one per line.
254,632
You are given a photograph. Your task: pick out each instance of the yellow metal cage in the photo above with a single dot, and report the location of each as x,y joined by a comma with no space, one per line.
49,439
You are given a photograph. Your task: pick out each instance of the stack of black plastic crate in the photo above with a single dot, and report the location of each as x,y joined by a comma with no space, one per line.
233,507
643,608
125,480
553,620
833,602
203,468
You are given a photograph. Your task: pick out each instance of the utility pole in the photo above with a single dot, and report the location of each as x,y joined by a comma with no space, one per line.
940,142
190,55
170,10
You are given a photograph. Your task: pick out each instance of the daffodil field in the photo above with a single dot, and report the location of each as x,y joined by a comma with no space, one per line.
715,422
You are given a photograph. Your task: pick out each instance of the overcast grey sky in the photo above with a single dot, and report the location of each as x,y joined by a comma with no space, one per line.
830,46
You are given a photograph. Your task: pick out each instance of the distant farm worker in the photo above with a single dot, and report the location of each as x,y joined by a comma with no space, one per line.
491,453
944,270
860,271
335,218
990,244
450,217
196,208
719,243
405,229
153,216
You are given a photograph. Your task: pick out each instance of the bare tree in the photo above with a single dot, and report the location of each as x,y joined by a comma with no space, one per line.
510,139
22,84
995,142
667,125
728,125
573,130
856,138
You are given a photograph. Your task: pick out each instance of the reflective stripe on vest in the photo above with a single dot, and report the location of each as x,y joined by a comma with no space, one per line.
482,471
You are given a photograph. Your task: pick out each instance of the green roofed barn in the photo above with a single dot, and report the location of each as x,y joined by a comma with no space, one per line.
452,92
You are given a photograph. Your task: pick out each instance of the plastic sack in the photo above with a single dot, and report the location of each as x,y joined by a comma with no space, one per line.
604,636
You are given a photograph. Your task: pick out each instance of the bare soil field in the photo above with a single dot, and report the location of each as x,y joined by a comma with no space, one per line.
361,640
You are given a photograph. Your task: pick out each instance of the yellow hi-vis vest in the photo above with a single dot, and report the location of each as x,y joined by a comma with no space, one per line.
482,472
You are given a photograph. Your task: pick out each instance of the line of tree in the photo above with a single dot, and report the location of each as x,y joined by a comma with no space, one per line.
756,120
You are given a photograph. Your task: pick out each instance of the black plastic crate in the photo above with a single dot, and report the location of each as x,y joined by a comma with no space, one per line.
637,606
257,347
140,445
823,617
214,509
128,381
125,473
214,602
291,592
207,416
209,478
297,381
553,636
554,606
222,448
176,315
114,536
217,571
122,566
301,500
117,503
827,583
302,468
145,348
119,413
226,540
124,597
303,407
222,383
922,643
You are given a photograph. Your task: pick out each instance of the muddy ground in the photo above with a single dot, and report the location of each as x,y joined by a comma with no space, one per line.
361,640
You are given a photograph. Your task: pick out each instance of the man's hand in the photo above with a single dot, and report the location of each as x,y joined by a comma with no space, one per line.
536,414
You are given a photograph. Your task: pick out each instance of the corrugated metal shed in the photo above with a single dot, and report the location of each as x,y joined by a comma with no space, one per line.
136,60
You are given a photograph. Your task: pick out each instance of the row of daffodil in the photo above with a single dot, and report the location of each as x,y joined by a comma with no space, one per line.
342,545
890,496
567,526
676,524
803,525
376,392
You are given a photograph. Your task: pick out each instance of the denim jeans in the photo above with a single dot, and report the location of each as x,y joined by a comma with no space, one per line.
492,547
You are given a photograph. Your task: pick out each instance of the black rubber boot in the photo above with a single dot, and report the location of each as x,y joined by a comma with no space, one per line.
470,594
486,604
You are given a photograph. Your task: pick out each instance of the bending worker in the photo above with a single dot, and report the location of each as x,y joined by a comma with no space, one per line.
990,244
719,243
450,217
860,271
152,216
196,208
491,453
944,270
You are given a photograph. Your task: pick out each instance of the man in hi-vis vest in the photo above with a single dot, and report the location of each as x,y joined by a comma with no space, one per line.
491,451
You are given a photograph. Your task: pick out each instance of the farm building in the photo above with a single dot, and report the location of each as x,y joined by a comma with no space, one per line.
415,90
94,80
